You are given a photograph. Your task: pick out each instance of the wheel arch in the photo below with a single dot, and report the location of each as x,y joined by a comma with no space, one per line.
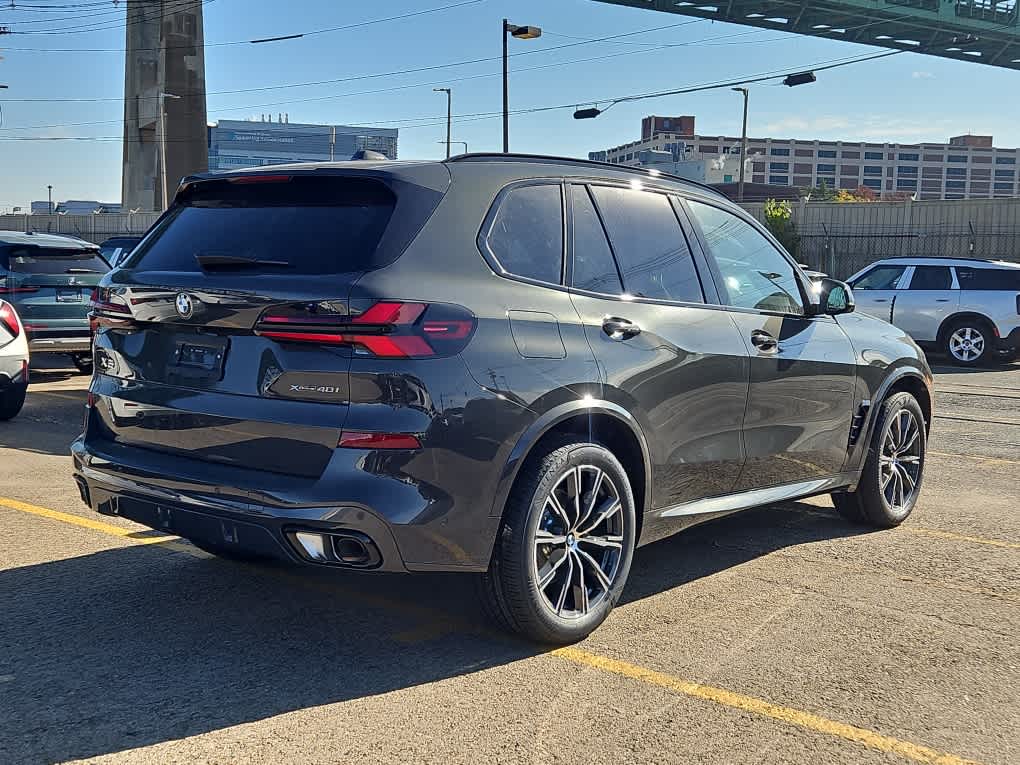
951,320
906,380
594,420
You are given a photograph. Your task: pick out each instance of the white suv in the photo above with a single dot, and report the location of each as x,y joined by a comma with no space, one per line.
967,309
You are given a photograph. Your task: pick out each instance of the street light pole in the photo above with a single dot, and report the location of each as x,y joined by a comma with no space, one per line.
462,143
449,115
162,142
743,147
521,33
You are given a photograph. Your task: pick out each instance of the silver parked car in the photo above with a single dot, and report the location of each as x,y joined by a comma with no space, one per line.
968,309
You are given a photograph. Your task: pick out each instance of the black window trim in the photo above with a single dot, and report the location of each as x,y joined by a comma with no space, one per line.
700,266
482,240
740,213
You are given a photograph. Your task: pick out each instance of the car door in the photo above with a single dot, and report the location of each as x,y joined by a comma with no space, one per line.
672,361
803,368
929,297
875,289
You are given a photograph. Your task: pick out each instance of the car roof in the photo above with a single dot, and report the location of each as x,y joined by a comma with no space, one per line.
56,241
564,166
936,261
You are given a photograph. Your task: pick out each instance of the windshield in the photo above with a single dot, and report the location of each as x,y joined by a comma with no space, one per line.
313,225
45,260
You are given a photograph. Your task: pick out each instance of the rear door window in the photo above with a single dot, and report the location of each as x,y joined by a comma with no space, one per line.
880,278
651,249
988,278
931,278
594,268
52,261
526,233
300,225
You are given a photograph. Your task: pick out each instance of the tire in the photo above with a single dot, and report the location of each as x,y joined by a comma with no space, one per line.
225,552
82,362
594,550
893,460
968,343
12,399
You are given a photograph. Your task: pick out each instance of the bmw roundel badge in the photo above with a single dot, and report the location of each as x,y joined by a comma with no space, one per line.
184,305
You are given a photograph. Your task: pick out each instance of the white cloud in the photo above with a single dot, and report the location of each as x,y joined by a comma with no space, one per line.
922,75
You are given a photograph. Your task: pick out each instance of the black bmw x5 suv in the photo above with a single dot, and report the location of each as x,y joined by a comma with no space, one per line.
522,367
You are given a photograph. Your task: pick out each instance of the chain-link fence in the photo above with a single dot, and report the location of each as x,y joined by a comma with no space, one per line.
94,228
841,238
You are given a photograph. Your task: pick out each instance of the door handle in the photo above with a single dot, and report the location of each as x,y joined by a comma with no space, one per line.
763,341
881,300
941,300
619,329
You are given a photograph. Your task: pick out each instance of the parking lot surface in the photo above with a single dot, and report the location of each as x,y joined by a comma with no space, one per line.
780,635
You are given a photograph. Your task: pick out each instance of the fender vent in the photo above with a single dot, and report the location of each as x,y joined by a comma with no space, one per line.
858,421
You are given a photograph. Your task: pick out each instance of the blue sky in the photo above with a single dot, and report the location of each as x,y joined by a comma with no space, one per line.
904,98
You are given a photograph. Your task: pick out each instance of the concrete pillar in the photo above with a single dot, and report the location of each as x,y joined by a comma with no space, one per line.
165,54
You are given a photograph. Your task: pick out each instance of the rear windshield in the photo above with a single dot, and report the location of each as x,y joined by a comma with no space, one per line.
287,225
48,260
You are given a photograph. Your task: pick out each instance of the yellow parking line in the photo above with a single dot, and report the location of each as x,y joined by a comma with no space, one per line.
143,538
431,628
797,717
962,537
62,394
977,458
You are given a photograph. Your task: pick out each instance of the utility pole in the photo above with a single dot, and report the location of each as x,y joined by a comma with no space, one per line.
49,196
449,115
743,147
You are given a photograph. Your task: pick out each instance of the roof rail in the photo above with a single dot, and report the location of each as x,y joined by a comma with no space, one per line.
649,172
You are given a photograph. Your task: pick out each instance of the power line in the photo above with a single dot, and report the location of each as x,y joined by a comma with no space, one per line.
309,33
473,117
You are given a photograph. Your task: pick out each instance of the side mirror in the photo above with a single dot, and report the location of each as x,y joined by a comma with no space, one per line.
833,297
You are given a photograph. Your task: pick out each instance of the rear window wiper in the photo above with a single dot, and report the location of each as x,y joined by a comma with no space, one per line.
81,271
237,261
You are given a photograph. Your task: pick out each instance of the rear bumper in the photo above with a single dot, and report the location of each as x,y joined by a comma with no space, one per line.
163,492
1011,341
60,345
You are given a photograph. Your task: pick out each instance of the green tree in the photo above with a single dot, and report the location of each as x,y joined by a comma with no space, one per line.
779,220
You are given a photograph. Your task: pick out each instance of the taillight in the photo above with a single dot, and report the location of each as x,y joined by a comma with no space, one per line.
9,320
6,290
103,302
386,329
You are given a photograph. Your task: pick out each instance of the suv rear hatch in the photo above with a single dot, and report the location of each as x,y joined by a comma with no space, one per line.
227,330
50,286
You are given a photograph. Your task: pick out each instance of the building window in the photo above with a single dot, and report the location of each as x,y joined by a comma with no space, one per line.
908,157
872,170
956,158
830,182
851,155
827,153
956,184
956,171
1005,173
906,170
873,183
779,152
873,155
781,166
780,180
906,183
1005,160
1000,186
825,168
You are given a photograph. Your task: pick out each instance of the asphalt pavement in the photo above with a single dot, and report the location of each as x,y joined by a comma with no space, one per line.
779,635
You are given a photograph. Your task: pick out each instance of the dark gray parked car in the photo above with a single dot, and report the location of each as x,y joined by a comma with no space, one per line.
520,367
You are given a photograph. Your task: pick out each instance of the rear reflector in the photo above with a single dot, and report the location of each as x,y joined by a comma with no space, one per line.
9,320
352,439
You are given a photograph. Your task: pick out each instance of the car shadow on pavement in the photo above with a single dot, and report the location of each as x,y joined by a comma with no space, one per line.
133,646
